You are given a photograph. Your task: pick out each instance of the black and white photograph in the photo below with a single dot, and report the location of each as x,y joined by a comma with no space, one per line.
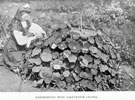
67,46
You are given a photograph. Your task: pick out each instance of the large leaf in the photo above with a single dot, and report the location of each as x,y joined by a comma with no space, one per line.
74,46
46,56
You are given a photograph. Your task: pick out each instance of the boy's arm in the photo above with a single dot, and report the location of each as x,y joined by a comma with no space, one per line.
21,39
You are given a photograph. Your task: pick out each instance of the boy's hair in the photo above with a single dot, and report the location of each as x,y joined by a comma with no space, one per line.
25,8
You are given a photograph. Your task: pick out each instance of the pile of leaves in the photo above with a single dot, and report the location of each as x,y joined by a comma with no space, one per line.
71,59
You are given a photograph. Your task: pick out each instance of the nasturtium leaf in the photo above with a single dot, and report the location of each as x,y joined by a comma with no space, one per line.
84,75
113,81
35,51
67,53
58,40
86,47
84,83
62,46
46,56
99,32
97,61
91,40
78,69
103,56
99,42
98,79
46,43
36,61
93,49
76,77
69,79
95,66
113,56
84,62
57,64
64,33
106,48
94,71
27,54
56,75
74,46
45,73
103,68
74,35
72,58
88,57
70,88
53,45
113,72
87,33
87,84
36,69
55,55
66,73
61,84
47,80
90,65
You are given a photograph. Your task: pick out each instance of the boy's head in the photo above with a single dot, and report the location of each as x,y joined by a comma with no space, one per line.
23,13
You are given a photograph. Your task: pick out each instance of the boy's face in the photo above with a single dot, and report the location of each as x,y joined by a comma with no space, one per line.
25,16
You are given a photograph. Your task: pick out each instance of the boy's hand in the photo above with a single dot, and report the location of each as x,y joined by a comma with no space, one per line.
30,35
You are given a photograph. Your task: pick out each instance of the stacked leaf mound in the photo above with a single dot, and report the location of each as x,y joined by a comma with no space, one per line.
71,60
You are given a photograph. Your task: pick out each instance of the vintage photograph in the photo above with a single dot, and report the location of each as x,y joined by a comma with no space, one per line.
67,45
